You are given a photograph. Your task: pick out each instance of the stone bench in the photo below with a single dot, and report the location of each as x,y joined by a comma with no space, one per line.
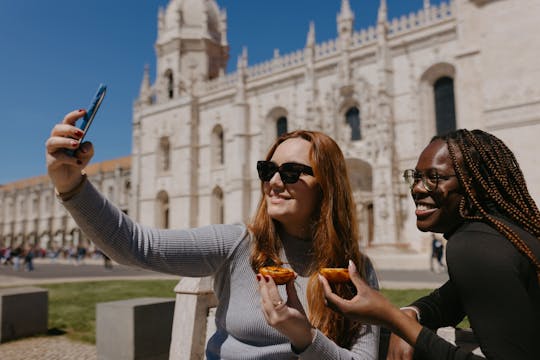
194,318
134,329
23,312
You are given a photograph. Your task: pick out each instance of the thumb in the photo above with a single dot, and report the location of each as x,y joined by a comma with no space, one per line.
85,152
292,295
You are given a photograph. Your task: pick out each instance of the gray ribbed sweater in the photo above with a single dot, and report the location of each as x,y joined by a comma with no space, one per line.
221,251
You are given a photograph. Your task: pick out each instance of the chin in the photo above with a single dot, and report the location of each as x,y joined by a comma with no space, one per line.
422,226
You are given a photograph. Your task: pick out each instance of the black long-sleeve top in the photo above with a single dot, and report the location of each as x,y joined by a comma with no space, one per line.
493,284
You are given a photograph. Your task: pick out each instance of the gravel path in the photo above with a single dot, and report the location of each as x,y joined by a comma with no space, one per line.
47,348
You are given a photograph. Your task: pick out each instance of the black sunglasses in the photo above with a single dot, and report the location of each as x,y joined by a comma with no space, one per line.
288,172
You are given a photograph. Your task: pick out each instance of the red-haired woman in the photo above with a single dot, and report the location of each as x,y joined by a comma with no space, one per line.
305,221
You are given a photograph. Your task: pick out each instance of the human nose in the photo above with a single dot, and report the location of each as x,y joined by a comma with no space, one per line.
275,180
419,185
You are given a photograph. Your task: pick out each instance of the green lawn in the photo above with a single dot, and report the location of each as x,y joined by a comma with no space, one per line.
72,306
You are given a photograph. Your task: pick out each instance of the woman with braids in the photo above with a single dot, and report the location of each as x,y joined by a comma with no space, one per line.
305,220
467,185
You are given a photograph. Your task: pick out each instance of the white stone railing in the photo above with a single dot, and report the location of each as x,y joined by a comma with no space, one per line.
326,48
278,63
423,17
221,82
364,37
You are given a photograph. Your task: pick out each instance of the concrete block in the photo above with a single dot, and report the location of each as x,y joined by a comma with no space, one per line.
23,312
134,329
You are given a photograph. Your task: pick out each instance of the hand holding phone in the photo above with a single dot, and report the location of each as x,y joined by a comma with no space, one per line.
90,113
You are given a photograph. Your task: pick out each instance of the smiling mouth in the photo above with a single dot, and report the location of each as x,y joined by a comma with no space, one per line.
277,199
424,209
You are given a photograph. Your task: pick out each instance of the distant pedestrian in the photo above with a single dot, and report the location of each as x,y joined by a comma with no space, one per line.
29,259
8,256
81,254
15,256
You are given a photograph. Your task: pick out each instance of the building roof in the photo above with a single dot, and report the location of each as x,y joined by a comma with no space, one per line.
92,169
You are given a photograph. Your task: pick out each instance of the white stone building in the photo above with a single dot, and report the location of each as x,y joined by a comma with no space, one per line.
381,92
30,213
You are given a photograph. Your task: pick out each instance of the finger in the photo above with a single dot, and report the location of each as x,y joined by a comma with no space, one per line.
73,116
56,143
326,286
332,300
66,130
270,297
355,276
292,297
273,293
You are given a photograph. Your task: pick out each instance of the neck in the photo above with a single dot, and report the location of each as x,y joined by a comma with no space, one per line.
298,234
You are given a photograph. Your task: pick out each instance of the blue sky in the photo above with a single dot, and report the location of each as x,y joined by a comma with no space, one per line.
54,54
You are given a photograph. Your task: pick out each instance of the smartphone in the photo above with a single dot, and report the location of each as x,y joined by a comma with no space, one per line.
91,113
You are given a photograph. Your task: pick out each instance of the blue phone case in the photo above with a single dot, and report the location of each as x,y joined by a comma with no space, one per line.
90,113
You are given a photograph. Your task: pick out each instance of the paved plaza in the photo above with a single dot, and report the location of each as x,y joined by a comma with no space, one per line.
61,271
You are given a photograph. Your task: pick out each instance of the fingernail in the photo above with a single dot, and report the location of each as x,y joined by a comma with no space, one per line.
74,143
80,110
78,133
79,162
352,266
83,149
258,277
267,278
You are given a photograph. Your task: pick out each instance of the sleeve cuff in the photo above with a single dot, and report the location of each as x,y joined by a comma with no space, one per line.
77,189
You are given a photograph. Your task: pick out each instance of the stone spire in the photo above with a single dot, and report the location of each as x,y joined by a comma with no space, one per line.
145,84
145,89
241,67
345,18
427,4
310,41
311,82
383,13
223,27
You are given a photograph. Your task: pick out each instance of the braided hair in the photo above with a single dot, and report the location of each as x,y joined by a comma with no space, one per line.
493,183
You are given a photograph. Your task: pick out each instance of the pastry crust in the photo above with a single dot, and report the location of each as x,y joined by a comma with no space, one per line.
280,275
336,275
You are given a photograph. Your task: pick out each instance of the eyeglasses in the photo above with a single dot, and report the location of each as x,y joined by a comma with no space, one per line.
429,180
288,172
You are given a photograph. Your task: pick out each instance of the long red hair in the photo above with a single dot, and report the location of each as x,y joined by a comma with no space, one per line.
334,234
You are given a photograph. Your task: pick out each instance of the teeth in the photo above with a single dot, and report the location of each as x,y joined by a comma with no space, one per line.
424,207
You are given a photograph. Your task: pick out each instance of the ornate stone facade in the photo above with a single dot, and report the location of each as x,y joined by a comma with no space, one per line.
198,132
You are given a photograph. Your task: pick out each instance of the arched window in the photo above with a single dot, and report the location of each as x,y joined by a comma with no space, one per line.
218,146
445,113
281,126
170,83
218,209
352,118
162,211
164,154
